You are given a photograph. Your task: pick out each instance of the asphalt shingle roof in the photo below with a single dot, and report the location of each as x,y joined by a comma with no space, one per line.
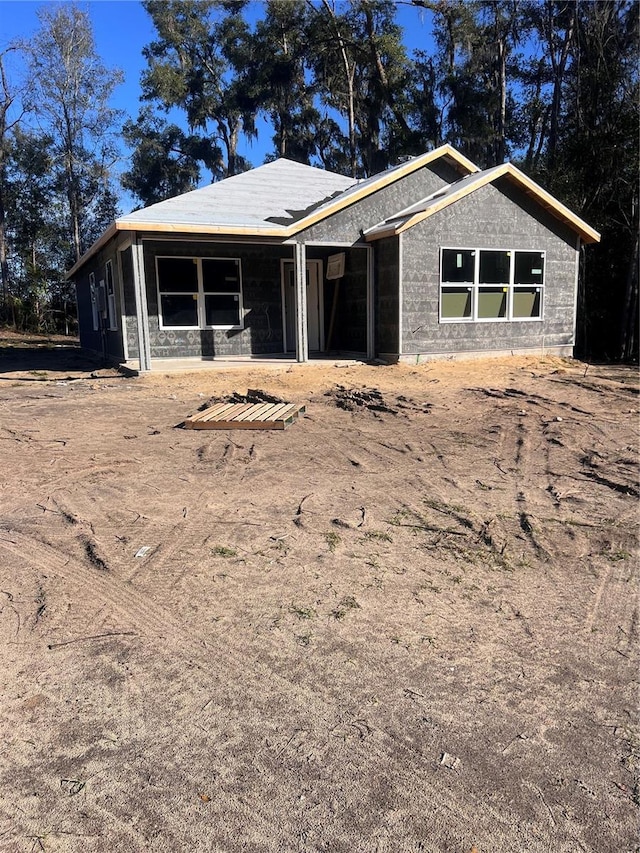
276,193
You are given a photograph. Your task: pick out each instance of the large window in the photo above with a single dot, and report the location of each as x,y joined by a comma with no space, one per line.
199,293
488,285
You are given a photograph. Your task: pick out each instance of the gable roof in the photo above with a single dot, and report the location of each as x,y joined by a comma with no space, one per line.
411,216
278,200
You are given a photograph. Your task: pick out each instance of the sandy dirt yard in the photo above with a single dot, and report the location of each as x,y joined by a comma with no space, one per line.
409,622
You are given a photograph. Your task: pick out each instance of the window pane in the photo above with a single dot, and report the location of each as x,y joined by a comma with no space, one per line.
455,302
179,311
526,302
223,310
492,302
494,267
457,265
529,268
220,276
177,275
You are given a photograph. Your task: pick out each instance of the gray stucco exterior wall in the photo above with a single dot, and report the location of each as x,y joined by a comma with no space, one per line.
89,338
352,305
494,217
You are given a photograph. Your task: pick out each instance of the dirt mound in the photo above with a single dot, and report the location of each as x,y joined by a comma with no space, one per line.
253,395
356,399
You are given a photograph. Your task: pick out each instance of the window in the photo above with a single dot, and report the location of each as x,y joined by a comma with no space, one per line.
94,300
178,292
198,293
527,285
112,321
221,286
491,285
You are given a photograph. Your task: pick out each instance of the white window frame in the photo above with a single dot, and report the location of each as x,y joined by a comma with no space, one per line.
112,322
201,294
93,294
475,286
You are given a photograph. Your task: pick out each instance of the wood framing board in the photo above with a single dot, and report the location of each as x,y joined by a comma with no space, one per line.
245,416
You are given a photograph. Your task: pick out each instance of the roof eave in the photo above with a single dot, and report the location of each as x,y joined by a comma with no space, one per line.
380,234
556,208
99,243
545,199
462,164
172,228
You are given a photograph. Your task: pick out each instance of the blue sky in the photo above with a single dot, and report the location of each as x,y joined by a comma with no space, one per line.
122,28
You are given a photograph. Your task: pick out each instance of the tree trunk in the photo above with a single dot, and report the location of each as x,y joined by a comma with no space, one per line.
629,318
5,105
558,65
4,263
537,123
349,72
500,145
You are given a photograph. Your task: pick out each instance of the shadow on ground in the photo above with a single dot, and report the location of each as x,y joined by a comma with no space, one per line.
33,361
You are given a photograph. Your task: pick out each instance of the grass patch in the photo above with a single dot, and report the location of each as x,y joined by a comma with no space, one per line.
302,612
348,603
332,540
617,556
223,551
378,535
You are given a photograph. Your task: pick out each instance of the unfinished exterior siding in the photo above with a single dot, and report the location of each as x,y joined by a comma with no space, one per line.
496,216
90,339
387,290
105,341
131,323
347,225
261,300
351,320
350,324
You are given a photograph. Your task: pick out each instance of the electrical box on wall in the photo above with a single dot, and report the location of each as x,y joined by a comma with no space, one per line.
335,266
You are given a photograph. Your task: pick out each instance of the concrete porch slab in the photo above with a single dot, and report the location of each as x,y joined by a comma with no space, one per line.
275,361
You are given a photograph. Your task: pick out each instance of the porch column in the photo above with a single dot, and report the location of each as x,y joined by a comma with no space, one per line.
142,314
371,305
302,335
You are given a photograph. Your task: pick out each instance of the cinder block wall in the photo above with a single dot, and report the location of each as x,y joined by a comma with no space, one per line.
387,296
261,298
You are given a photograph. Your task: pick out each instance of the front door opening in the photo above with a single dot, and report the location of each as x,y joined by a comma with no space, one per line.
315,310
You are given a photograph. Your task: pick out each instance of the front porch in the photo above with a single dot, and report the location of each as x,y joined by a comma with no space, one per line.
288,302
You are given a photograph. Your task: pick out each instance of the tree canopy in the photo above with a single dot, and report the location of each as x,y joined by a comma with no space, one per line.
551,85
56,184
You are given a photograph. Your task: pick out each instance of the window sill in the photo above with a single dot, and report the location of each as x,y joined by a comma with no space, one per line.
484,320
200,328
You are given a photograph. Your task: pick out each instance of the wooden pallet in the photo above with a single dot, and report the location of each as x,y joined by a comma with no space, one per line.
245,416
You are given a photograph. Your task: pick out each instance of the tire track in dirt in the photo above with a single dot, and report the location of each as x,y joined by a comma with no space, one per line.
154,622
136,614
297,705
